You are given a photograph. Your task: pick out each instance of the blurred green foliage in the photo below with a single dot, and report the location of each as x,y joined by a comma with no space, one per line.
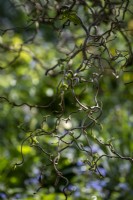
26,54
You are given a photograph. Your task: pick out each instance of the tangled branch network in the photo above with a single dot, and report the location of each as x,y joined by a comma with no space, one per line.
82,34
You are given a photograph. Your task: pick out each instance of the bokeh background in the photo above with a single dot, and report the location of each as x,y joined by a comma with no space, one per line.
25,55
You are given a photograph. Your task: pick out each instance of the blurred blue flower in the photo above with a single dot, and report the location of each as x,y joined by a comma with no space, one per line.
72,187
123,186
18,196
102,171
95,148
31,181
97,185
79,163
3,195
77,194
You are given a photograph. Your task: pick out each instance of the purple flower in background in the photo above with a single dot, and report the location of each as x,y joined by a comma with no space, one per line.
31,181
72,188
97,185
123,186
18,196
77,192
79,163
95,148
102,171
3,195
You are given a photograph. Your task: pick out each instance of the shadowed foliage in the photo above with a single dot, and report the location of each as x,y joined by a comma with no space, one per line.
66,99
